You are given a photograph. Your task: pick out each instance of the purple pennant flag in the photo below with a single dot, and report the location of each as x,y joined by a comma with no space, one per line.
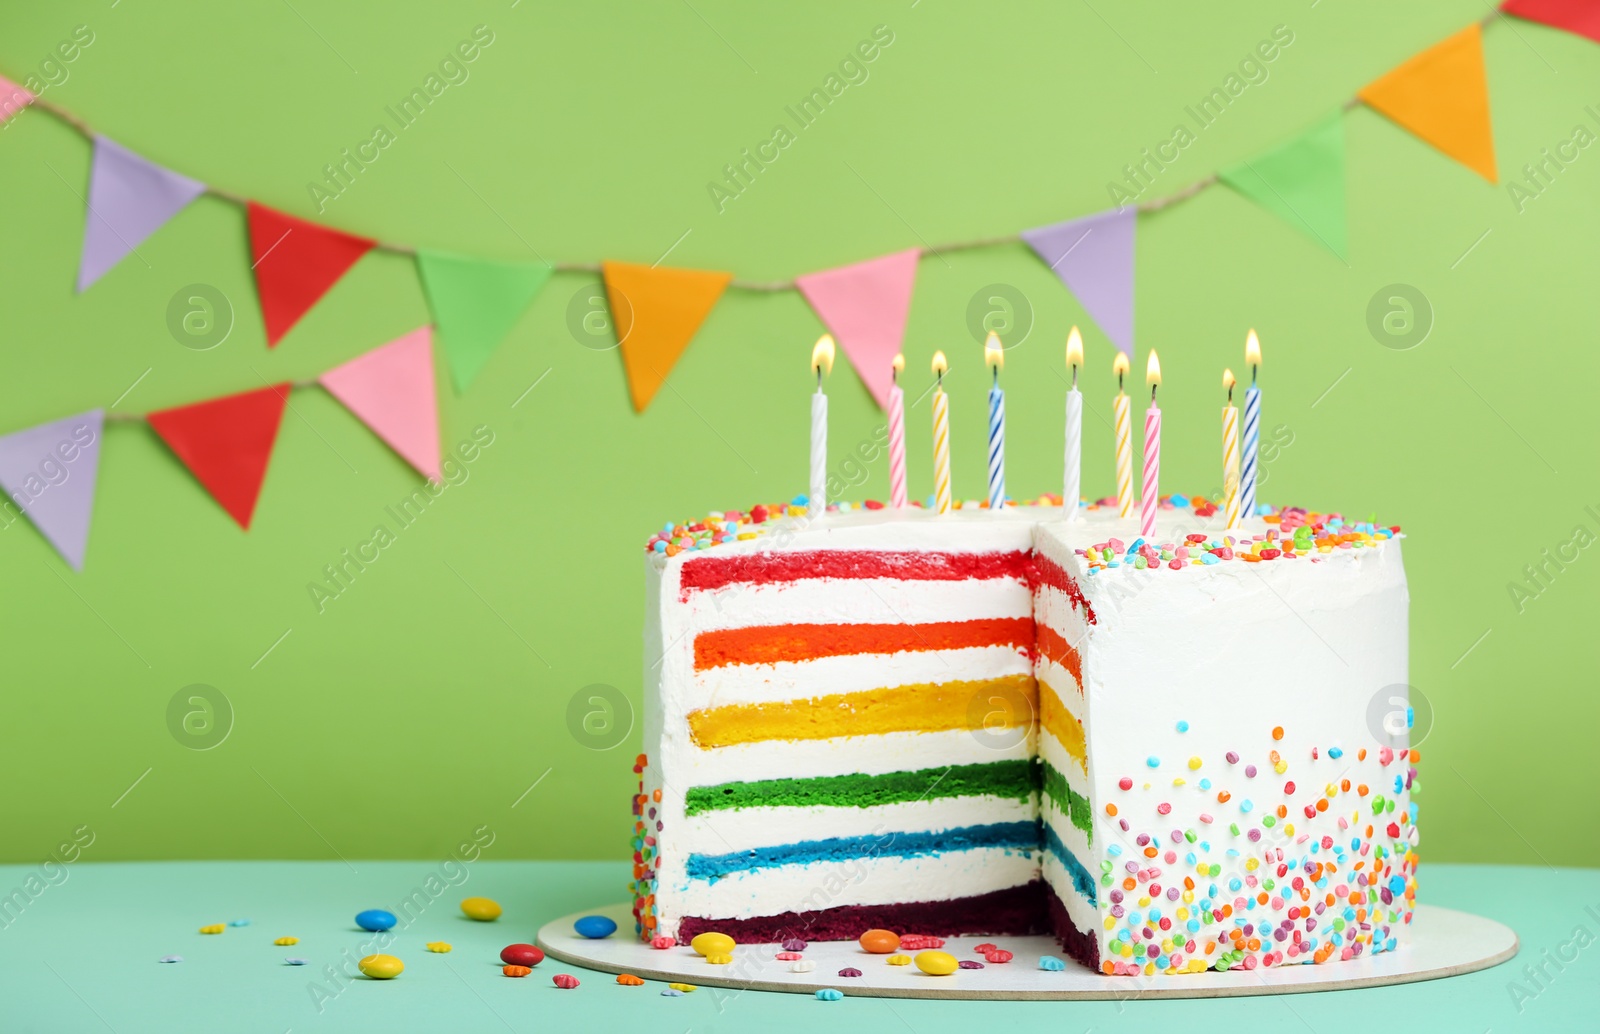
1093,256
48,473
129,199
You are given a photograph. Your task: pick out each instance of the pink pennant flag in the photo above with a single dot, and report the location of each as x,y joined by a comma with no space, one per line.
1093,256
13,98
865,307
129,199
49,473
391,390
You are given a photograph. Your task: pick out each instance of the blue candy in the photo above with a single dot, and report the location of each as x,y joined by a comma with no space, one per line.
375,919
672,992
595,927
829,994
1051,963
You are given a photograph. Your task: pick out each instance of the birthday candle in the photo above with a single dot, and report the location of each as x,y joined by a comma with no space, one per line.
821,362
941,437
1123,427
1151,488
1230,455
995,357
1252,426
1072,478
897,438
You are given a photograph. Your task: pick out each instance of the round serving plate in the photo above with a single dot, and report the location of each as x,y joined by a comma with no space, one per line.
1440,942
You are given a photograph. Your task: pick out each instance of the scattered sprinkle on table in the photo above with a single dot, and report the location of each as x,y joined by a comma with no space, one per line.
898,960
284,942
565,981
213,928
170,958
850,971
719,958
629,980
794,944
672,992
970,964
294,961
1051,963
803,966
515,971
439,947
238,922
662,943
684,988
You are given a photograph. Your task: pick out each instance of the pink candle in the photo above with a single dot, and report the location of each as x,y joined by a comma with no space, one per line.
897,439
1151,493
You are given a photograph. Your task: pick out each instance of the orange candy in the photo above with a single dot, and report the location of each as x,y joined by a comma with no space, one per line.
880,942
629,980
516,971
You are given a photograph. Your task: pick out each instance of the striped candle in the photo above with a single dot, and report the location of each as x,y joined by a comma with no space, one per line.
941,438
1072,474
994,358
1123,426
1252,427
897,438
1230,455
1150,490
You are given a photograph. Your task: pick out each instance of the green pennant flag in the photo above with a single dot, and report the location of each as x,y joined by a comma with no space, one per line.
475,303
1301,181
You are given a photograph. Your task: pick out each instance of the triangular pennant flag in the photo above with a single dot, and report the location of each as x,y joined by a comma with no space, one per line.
226,443
49,471
13,98
1442,96
1576,16
1301,181
475,303
1093,256
391,390
865,306
129,199
295,263
656,311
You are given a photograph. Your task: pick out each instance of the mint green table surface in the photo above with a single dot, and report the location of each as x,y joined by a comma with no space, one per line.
82,955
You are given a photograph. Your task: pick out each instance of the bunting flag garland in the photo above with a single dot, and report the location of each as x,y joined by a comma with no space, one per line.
226,443
1093,256
13,98
1442,96
49,471
295,263
1580,17
1302,182
864,306
475,303
130,198
656,312
391,390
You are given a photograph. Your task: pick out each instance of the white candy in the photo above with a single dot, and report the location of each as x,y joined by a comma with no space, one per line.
803,966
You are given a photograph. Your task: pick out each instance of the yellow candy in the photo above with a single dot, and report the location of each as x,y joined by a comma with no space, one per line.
685,988
712,944
285,941
898,960
937,963
381,967
438,946
481,909
719,958
213,928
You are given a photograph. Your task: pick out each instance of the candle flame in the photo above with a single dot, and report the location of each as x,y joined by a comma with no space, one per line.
941,365
1119,365
1074,347
822,355
899,363
1152,369
1227,380
1252,348
993,352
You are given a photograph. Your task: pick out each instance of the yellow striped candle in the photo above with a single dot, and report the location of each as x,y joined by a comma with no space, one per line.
1124,435
941,437
1230,455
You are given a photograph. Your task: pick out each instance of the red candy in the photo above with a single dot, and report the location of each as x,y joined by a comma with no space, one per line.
521,955
920,942
565,980
662,943
998,955
985,948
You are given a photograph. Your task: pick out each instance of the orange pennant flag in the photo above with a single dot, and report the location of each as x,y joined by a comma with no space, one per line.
656,312
1442,96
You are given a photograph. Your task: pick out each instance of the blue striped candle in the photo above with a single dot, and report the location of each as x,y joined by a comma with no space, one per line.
995,358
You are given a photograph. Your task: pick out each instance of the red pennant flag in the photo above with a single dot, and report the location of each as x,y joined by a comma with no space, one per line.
226,444
1581,17
865,306
295,263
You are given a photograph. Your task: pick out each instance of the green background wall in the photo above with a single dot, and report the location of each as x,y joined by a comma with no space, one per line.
427,699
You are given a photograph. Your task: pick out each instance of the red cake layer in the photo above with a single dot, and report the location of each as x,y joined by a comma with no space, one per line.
769,644
1081,946
1047,572
716,572
1015,910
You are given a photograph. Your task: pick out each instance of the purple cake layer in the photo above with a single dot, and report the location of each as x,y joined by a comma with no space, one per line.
1081,946
1015,910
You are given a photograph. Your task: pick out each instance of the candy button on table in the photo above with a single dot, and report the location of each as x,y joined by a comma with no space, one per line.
595,927
484,910
381,967
375,919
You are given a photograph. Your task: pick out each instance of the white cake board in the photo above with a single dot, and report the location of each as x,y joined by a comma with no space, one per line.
1440,942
